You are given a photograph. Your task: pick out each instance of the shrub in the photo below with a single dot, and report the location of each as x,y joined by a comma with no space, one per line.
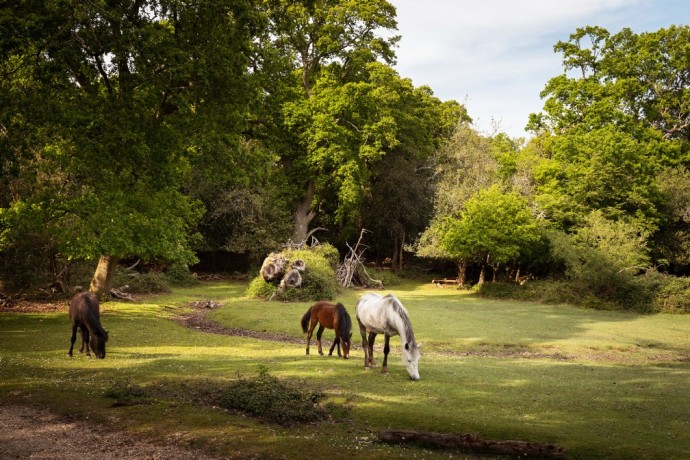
274,400
141,283
179,275
318,279
671,293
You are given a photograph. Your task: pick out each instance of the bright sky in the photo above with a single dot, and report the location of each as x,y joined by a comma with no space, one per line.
496,56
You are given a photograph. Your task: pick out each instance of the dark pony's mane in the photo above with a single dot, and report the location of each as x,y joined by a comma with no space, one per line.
344,321
93,320
400,310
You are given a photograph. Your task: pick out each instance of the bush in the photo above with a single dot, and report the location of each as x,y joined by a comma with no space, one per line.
318,279
179,275
671,293
274,400
544,291
651,292
141,283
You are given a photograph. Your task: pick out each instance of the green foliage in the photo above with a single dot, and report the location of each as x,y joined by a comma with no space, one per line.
124,391
274,400
179,275
105,121
347,128
151,282
494,225
625,80
328,252
650,292
613,136
603,257
318,279
671,294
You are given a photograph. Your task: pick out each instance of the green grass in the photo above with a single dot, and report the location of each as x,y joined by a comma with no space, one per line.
601,384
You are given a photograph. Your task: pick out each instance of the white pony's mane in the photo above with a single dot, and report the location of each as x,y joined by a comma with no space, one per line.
402,312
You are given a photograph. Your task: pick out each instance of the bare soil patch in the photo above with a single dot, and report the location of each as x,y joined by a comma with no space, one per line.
36,306
196,319
28,432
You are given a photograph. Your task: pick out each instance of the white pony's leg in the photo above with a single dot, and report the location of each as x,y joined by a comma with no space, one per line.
386,349
365,345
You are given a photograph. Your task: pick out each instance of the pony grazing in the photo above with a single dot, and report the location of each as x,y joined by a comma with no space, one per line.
85,315
331,316
386,315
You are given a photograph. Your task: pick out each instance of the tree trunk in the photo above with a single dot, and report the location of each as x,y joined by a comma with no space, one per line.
102,281
303,215
482,275
462,272
400,257
494,269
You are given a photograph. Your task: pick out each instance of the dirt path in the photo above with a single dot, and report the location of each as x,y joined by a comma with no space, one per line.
28,432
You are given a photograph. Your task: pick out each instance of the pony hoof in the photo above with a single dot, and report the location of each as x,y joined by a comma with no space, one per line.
321,353
384,370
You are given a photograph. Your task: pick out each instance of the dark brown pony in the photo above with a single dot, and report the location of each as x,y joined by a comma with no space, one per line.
331,316
85,315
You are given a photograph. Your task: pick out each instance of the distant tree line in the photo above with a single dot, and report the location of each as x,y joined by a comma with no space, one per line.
156,130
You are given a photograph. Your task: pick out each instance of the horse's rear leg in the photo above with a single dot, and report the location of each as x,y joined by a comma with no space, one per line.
319,333
311,331
386,349
372,337
72,340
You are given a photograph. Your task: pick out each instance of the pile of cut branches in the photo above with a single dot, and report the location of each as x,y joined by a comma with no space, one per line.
352,272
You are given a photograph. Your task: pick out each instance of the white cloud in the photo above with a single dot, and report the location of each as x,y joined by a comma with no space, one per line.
499,53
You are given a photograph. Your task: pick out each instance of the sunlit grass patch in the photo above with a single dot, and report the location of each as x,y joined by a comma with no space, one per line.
600,384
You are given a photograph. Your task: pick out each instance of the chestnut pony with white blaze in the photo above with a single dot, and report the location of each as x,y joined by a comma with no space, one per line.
386,315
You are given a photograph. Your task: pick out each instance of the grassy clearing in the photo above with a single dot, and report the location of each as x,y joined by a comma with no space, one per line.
600,384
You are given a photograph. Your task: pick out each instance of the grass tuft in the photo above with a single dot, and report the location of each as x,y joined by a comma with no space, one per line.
274,400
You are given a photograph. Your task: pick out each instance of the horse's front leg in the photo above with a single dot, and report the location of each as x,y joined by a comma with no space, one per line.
386,349
336,342
319,333
85,341
372,337
365,346
72,340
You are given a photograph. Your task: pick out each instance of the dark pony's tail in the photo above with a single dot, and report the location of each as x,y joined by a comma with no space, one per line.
305,320
344,321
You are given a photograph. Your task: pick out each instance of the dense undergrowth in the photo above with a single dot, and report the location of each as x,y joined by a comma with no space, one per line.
651,292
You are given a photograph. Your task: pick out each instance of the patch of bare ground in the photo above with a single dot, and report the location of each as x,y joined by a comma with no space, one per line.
29,432
197,319
35,306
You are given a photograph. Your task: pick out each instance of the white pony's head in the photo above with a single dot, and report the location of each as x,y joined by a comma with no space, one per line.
410,359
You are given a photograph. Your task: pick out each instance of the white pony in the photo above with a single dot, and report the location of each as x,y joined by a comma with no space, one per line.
386,315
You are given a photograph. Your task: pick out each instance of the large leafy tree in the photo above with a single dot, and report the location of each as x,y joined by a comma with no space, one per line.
614,124
334,107
104,107
493,229
632,81
464,166
349,130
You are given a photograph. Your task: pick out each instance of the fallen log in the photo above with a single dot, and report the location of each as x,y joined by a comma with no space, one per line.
472,443
445,281
121,294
